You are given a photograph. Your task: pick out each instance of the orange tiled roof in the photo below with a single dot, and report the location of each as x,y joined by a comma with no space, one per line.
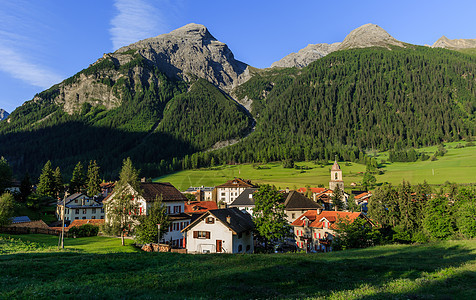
363,195
78,223
313,190
199,206
237,182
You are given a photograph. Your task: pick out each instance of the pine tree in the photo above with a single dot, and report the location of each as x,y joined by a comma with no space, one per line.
94,182
47,185
58,178
25,187
77,180
336,198
5,174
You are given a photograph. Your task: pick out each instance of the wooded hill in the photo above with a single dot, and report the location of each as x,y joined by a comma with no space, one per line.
343,104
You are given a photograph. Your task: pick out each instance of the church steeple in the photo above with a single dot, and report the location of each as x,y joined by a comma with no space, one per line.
336,176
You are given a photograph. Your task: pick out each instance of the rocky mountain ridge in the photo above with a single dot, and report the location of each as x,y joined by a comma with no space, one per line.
368,35
444,42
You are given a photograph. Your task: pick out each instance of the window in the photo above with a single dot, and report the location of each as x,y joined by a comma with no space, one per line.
293,215
240,248
93,211
102,217
84,211
76,211
223,194
240,235
76,201
201,234
248,247
93,217
76,218
84,218
210,220
102,210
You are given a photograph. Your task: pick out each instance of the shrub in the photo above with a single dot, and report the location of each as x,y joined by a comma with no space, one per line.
84,230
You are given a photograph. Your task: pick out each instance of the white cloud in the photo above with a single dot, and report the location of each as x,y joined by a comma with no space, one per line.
136,20
18,42
17,66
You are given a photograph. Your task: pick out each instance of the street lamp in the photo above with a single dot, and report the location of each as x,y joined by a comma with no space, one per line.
158,234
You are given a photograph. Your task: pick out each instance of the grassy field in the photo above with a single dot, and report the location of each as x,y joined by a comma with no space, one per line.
458,165
443,270
49,243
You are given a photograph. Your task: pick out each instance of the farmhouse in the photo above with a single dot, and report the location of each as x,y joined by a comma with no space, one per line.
314,230
227,230
171,198
227,193
80,207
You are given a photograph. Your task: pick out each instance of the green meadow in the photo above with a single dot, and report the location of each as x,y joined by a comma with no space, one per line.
441,270
457,165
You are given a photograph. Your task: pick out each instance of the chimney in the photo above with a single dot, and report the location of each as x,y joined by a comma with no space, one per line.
228,219
142,179
287,190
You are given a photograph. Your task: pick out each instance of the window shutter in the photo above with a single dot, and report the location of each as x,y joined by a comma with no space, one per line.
207,234
195,234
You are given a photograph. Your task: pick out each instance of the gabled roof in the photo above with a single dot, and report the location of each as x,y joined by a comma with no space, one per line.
164,189
363,196
197,207
237,182
239,221
297,201
326,215
245,198
72,197
78,223
335,166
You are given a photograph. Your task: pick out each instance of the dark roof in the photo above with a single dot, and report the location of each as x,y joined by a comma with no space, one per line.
239,221
244,198
71,197
165,189
21,219
297,201
237,182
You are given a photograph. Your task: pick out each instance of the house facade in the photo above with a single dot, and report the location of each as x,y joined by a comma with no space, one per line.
314,230
174,202
201,193
227,230
79,206
228,192
296,204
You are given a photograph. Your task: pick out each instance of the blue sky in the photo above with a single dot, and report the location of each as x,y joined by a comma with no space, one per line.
44,42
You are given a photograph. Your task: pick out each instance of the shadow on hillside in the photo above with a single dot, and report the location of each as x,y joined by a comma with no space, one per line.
74,141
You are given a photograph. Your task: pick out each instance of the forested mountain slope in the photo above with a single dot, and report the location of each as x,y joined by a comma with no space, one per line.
165,101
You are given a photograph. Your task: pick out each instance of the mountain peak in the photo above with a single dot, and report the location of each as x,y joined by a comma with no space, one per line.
369,35
192,29
444,42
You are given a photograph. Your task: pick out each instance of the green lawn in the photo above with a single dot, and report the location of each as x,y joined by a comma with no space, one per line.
443,270
458,165
41,243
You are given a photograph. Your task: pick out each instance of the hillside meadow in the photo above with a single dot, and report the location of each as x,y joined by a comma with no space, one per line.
457,165
442,270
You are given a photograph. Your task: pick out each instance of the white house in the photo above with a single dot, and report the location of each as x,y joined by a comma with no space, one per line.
229,191
227,230
245,201
172,199
80,207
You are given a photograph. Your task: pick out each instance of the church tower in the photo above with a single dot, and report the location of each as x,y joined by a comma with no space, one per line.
336,177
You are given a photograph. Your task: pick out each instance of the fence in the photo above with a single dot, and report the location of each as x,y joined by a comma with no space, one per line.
28,230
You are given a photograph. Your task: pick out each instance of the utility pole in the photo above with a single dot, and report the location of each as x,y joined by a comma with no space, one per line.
158,234
61,241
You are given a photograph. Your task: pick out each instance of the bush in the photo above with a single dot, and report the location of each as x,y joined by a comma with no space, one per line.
84,230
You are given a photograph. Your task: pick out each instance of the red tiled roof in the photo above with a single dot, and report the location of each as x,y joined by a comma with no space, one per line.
78,223
237,182
313,190
199,206
331,216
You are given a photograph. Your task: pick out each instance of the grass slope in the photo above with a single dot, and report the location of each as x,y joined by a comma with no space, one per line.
458,165
443,270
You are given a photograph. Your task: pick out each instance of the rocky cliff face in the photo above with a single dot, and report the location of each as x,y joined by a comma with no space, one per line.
3,114
368,35
192,51
185,53
444,42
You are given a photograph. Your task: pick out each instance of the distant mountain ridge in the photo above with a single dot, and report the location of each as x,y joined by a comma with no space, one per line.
444,42
368,35
3,114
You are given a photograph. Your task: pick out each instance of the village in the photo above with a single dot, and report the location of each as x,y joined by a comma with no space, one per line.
216,219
